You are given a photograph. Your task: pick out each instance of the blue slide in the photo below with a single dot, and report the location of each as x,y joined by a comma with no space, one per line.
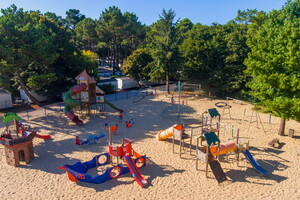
254,163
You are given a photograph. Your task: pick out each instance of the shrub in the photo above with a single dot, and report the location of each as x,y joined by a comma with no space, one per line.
107,88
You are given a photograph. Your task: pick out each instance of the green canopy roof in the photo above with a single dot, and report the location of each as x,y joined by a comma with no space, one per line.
211,138
10,116
213,112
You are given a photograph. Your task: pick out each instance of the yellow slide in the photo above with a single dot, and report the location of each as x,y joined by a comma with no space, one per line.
162,135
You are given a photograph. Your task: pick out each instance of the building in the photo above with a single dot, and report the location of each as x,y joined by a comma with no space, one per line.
126,83
5,99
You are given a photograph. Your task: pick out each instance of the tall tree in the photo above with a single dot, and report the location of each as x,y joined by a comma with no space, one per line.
111,27
163,45
86,36
274,63
119,34
25,43
73,16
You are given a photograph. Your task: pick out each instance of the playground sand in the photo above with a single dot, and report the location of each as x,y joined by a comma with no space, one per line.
169,176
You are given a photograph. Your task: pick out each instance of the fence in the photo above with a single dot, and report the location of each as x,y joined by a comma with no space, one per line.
31,113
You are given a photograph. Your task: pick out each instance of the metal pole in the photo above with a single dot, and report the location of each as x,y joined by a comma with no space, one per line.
27,115
178,97
115,92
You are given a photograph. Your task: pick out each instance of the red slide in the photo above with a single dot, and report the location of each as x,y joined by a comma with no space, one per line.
133,168
45,137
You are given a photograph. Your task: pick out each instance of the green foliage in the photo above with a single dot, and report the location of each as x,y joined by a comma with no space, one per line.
119,34
27,43
26,40
73,17
274,62
136,65
32,46
163,46
183,27
38,81
107,88
89,62
214,55
86,36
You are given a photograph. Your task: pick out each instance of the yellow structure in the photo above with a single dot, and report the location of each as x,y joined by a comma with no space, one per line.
162,135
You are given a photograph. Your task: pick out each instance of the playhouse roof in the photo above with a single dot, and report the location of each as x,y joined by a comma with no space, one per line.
83,76
10,116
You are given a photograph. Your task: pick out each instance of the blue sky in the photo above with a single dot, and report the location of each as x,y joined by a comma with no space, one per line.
203,11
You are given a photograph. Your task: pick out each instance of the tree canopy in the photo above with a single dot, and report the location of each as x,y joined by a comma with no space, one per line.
136,65
163,47
274,62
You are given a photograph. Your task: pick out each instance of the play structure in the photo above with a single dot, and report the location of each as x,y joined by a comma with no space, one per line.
17,140
132,161
210,120
210,152
177,131
164,134
188,89
72,103
84,96
91,139
225,107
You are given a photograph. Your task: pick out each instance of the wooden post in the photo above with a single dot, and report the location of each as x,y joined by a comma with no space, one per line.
291,132
192,131
237,143
218,154
109,136
180,143
206,168
173,143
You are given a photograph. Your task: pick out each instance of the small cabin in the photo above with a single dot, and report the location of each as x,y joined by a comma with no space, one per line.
5,99
126,83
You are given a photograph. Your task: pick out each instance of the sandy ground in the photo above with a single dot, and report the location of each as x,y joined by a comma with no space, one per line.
169,176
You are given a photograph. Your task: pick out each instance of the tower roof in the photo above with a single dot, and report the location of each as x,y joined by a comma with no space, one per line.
83,76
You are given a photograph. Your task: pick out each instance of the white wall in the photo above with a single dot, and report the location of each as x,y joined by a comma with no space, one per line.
126,83
5,101
35,95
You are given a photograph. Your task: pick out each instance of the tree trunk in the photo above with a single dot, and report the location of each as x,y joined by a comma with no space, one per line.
34,100
115,54
282,127
167,82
